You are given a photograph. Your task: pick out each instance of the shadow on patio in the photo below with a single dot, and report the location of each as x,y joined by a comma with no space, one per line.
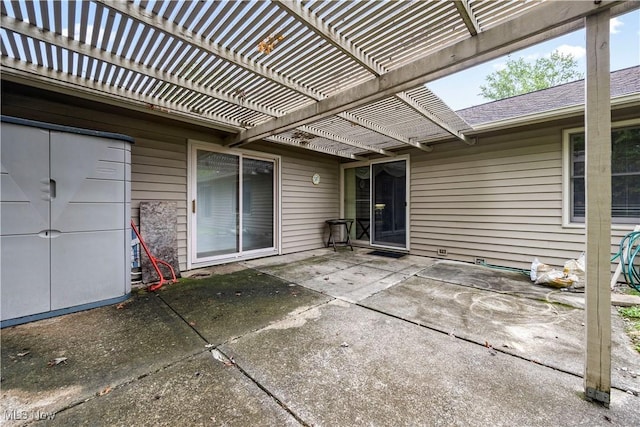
319,338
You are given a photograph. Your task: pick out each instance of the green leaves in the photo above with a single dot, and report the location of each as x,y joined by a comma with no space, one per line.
520,77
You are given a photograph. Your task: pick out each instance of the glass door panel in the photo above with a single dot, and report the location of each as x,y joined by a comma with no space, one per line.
257,204
389,204
217,204
357,188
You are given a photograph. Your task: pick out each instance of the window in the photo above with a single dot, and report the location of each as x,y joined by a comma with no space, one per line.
625,174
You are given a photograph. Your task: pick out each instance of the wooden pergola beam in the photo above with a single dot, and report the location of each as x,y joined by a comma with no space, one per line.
314,23
418,108
597,377
383,131
467,15
548,20
342,140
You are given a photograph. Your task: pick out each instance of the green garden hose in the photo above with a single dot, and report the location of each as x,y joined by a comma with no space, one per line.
630,268
627,252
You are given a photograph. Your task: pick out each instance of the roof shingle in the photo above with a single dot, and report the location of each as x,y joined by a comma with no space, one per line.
623,82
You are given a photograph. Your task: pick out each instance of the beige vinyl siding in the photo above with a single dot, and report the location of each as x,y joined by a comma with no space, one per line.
500,200
159,166
305,206
159,172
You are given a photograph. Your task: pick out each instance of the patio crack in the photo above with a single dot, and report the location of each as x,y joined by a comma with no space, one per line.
263,388
210,347
121,385
255,381
472,341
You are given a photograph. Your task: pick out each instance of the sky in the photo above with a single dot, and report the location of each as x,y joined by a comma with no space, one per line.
462,89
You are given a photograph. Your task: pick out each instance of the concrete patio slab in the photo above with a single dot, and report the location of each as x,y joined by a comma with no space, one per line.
226,306
293,257
305,269
352,276
407,264
214,270
350,284
542,332
345,365
500,281
621,300
197,391
101,348
413,351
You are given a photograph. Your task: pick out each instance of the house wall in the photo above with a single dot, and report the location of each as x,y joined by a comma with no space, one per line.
500,200
159,164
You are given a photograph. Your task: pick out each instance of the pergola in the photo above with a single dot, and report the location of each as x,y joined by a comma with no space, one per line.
345,78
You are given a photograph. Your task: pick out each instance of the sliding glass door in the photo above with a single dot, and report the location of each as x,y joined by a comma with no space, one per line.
357,187
233,205
389,204
257,204
216,203
375,196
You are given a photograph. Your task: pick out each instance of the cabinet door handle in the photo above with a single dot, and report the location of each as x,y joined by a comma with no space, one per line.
193,206
52,188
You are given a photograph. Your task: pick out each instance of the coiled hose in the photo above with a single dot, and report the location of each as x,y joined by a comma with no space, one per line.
628,251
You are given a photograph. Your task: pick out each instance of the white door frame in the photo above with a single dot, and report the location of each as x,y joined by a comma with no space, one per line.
192,260
368,163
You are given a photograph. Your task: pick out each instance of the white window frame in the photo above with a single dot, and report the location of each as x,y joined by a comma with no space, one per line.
192,147
566,176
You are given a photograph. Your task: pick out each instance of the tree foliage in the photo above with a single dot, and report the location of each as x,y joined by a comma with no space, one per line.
520,77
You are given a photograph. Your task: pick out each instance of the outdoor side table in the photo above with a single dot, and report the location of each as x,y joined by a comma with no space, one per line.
334,226
364,226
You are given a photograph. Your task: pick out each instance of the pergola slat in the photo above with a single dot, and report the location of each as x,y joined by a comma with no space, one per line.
324,134
31,12
309,146
107,29
129,65
84,19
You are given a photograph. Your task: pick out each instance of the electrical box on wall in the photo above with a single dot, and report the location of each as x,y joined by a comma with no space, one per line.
65,206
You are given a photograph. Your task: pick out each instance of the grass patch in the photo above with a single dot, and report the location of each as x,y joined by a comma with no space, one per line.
631,291
632,317
632,312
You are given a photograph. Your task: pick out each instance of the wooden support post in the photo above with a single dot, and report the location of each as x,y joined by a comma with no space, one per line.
597,377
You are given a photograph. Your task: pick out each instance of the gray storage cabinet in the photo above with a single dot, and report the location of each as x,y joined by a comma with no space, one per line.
65,205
